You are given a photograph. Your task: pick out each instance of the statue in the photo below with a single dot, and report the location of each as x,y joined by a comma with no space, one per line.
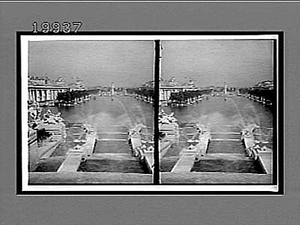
249,130
136,130
164,118
34,115
169,128
201,129
51,118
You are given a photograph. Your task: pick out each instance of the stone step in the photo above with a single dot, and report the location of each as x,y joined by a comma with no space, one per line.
112,136
233,147
187,124
123,154
114,125
112,139
225,139
224,128
190,134
112,156
212,133
188,153
74,152
117,132
225,156
222,125
226,136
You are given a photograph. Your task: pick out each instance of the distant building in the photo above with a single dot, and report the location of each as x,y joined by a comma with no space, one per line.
38,80
45,94
268,84
77,86
149,84
60,82
170,86
44,90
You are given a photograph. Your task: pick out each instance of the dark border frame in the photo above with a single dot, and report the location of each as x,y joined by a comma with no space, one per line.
279,110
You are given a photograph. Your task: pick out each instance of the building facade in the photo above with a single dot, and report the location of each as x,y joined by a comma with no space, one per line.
44,93
172,86
44,90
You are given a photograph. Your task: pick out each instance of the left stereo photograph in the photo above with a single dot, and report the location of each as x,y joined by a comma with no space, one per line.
86,104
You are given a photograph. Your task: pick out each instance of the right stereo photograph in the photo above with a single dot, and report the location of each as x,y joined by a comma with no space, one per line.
219,112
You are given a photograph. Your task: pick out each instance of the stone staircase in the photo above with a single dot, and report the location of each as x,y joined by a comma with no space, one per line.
226,153
225,139
112,139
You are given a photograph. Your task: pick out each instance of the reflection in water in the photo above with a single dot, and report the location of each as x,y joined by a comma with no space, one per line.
236,111
102,112
225,120
111,120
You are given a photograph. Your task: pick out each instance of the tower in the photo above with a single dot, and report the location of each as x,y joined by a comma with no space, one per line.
225,88
112,89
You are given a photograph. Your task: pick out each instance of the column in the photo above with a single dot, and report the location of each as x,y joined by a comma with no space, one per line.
55,94
29,95
160,94
52,95
43,95
38,95
166,95
48,95
34,95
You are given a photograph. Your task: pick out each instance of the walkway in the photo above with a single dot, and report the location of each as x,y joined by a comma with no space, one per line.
74,156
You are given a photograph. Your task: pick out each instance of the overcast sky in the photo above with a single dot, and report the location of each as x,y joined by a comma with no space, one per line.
130,63
237,62
126,63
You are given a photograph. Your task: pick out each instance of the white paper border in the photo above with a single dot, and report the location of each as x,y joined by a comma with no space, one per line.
123,188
